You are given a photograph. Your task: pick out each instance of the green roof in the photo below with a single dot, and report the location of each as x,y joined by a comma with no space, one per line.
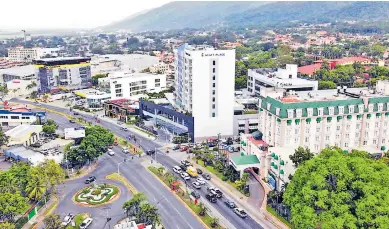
245,160
274,103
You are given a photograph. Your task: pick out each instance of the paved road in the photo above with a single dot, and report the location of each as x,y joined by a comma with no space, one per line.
147,144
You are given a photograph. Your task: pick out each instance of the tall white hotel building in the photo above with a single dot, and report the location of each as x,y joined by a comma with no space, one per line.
204,87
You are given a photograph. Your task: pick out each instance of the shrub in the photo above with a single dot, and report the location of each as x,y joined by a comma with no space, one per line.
96,192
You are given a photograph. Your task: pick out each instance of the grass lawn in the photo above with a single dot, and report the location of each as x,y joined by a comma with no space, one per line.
115,176
78,220
206,218
274,213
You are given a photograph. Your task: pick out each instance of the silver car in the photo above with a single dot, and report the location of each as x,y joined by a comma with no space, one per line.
196,185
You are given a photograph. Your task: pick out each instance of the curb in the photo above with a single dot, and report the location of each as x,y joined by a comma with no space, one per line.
83,174
178,198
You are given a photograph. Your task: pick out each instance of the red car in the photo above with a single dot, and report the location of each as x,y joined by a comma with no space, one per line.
184,148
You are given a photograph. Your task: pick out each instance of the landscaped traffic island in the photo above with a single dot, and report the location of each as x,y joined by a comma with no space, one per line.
97,194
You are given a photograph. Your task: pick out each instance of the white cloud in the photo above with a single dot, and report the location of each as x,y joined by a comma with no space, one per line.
41,14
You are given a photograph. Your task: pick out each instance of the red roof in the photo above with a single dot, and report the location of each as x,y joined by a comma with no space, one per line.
309,69
141,226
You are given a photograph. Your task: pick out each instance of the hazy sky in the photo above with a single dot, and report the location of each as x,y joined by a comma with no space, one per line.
41,14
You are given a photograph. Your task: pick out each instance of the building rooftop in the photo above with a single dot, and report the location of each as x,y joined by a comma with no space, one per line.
19,70
124,74
245,159
23,130
61,60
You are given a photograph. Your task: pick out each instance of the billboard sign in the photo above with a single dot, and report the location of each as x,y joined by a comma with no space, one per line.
71,133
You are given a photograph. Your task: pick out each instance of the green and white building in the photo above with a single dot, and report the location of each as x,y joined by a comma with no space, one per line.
348,118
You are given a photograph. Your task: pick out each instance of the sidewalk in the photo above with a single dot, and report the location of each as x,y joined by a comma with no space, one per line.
39,217
258,213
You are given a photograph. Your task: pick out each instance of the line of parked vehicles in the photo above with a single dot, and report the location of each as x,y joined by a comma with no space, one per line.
69,218
188,172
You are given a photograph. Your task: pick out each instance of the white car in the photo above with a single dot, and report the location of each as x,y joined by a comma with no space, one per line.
185,176
110,152
177,169
85,224
196,185
200,180
67,219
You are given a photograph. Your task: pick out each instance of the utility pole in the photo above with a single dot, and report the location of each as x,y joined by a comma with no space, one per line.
106,216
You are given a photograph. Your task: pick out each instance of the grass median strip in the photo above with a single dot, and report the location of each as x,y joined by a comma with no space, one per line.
52,206
117,177
208,220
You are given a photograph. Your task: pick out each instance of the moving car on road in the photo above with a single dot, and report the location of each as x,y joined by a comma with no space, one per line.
124,129
200,180
67,219
192,171
72,121
85,224
185,162
195,194
206,176
90,180
110,152
177,169
217,192
240,212
211,197
199,171
185,176
230,203
196,185
150,152
176,147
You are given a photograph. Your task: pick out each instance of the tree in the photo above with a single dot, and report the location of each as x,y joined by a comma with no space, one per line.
148,214
214,222
132,207
12,204
15,179
301,155
36,186
53,173
3,138
338,190
161,170
3,90
49,129
95,79
31,85
202,209
52,221
6,225
323,84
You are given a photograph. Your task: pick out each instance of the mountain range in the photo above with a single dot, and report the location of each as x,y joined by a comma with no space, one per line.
179,15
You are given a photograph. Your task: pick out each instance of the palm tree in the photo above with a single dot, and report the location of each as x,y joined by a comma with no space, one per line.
161,170
203,209
31,85
35,187
132,206
52,221
148,214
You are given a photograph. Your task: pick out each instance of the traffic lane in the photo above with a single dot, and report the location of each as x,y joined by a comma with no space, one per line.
234,219
173,213
66,194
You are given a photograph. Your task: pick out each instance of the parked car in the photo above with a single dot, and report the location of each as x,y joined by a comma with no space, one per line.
195,194
196,185
185,176
230,203
67,219
206,176
211,197
125,150
183,167
177,169
75,113
111,152
120,123
90,180
199,171
150,152
176,147
185,162
200,180
72,121
240,212
85,224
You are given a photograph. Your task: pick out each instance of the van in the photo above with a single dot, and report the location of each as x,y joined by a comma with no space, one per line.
192,171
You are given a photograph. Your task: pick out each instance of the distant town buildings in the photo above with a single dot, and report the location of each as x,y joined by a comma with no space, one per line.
67,73
21,54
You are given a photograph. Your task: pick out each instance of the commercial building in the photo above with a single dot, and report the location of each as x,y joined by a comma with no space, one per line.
26,72
62,73
94,98
121,108
125,85
287,79
21,88
159,68
204,87
18,116
24,135
21,54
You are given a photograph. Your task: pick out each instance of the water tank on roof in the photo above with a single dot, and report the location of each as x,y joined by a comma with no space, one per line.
257,135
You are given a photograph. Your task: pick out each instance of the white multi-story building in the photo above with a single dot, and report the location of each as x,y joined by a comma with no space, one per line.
160,68
287,79
204,83
125,85
21,54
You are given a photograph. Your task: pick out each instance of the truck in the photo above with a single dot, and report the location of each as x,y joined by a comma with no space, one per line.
192,171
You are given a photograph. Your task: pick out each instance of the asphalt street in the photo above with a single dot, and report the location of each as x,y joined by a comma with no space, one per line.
149,184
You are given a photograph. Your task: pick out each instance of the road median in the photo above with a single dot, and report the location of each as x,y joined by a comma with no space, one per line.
117,177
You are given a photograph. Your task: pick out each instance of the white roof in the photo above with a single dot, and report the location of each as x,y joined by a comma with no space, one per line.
23,130
19,70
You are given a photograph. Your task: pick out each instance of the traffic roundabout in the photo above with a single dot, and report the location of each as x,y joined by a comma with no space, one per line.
96,195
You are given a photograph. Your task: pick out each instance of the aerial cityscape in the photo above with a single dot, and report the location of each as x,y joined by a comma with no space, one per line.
194,115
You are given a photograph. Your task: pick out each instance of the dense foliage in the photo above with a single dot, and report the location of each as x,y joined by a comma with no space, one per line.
338,190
